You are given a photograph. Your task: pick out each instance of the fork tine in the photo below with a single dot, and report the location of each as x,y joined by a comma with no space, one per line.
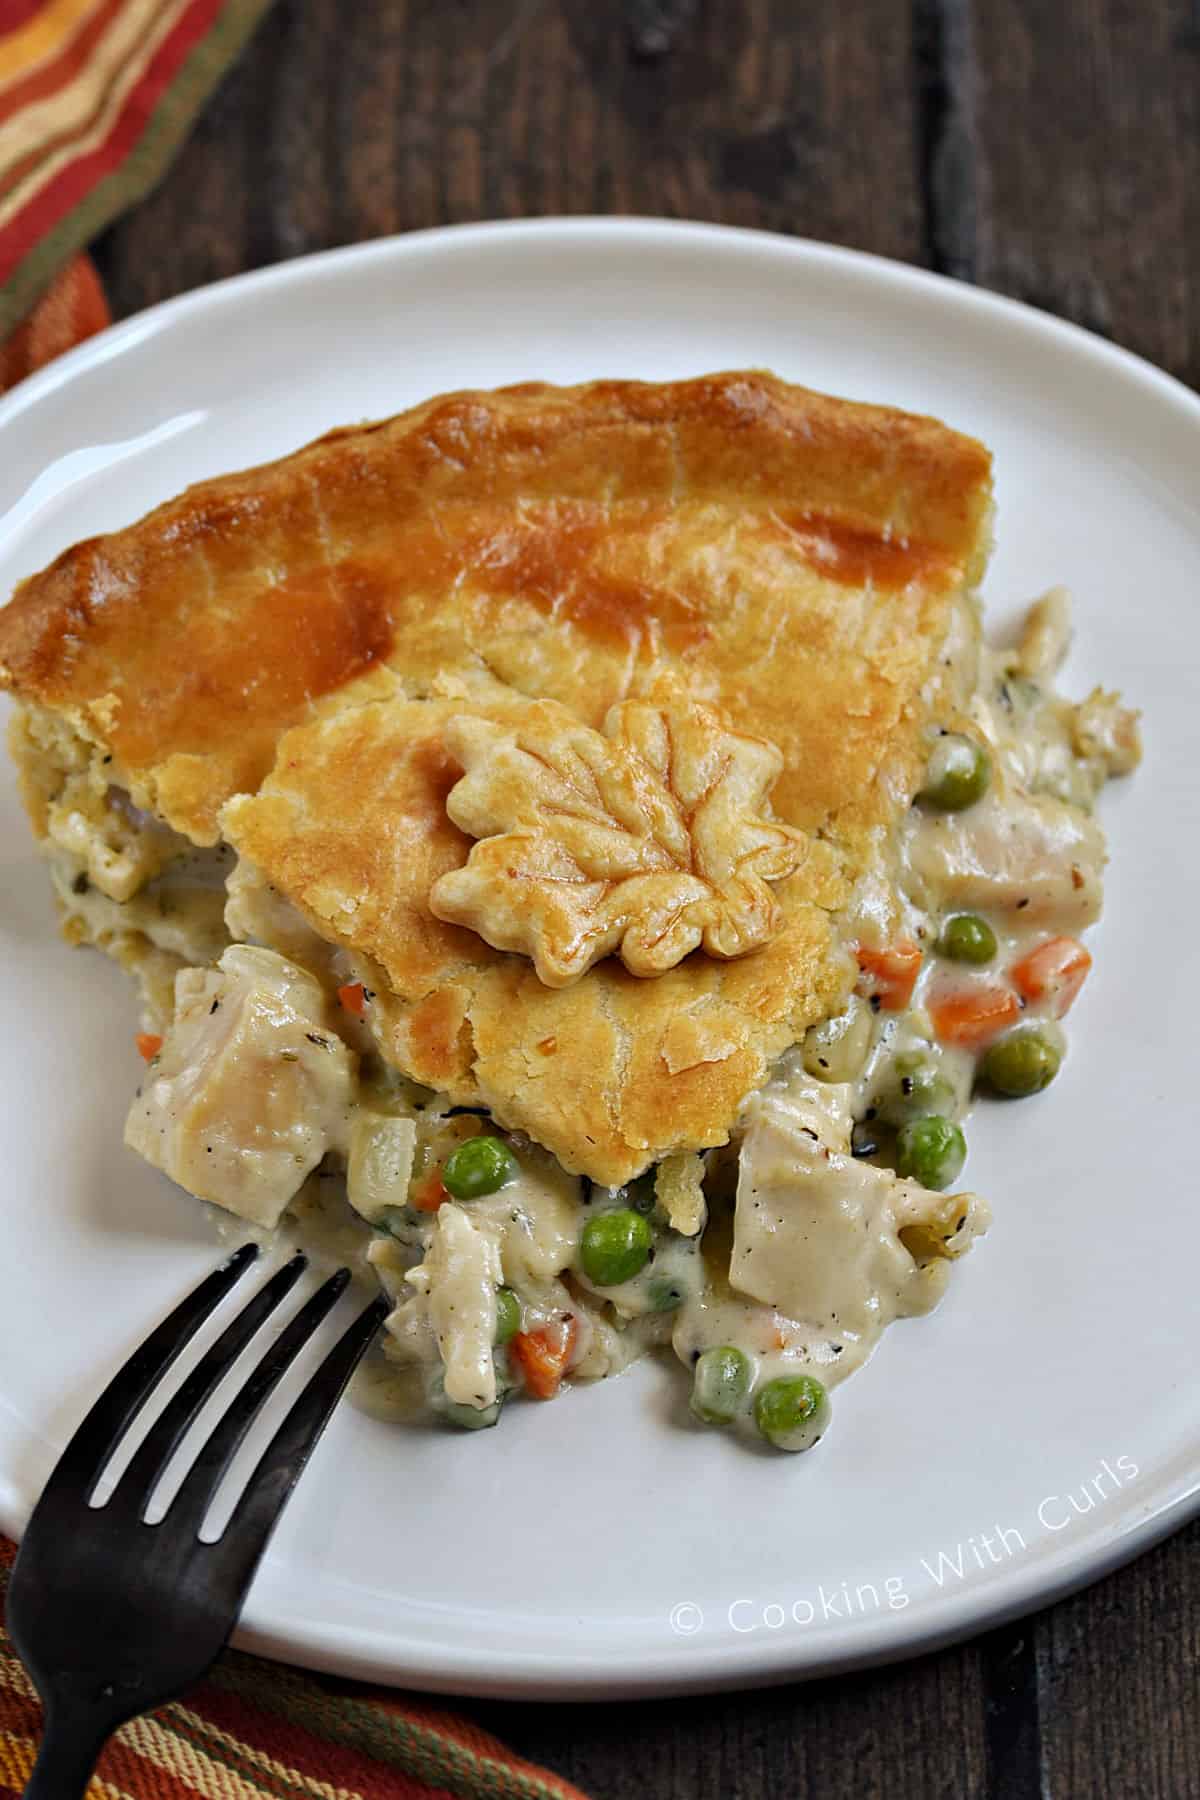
82,1462
237,1551
186,1512
136,1485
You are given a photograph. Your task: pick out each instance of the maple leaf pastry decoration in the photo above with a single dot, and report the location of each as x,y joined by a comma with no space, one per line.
650,839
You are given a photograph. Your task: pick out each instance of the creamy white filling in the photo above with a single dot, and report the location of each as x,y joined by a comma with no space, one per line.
816,1233
250,1089
809,1254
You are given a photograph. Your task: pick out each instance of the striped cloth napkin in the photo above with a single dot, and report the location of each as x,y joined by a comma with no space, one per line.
95,98
72,308
95,95
255,1729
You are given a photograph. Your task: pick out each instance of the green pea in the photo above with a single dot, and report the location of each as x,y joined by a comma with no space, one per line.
641,1192
1023,1063
967,939
792,1411
481,1166
916,1089
615,1246
931,1151
721,1382
471,1418
508,1315
958,774
664,1296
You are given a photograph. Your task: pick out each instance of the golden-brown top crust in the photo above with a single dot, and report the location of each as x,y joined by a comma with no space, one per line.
786,557
610,1073
769,542
646,841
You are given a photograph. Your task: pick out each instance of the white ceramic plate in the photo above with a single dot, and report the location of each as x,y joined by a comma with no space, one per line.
1041,1426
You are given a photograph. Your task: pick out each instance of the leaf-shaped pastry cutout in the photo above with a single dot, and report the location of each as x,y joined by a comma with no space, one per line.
650,840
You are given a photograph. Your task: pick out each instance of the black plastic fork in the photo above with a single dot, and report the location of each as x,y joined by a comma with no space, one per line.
111,1615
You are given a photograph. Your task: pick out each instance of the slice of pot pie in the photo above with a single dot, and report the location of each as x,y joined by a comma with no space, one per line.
577,841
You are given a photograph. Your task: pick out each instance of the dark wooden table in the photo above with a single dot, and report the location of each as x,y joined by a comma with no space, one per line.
1046,148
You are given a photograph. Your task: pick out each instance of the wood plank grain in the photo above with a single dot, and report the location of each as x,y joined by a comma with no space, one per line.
343,123
915,1731
1119,1681
1050,152
1085,122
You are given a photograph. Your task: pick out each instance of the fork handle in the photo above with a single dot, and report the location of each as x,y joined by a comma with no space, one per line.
70,1746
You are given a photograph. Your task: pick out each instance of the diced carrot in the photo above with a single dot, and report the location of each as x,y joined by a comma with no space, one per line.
429,1194
149,1044
353,998
891,974
972,1016
542,1356
1053,970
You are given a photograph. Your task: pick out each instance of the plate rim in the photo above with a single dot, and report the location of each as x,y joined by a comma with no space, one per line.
362,1651
109,343
542,1677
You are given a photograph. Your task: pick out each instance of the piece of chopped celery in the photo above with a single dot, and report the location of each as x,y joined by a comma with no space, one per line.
380,1164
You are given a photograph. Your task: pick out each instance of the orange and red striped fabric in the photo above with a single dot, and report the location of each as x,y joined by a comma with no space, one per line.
95,97
257,1731
72,308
